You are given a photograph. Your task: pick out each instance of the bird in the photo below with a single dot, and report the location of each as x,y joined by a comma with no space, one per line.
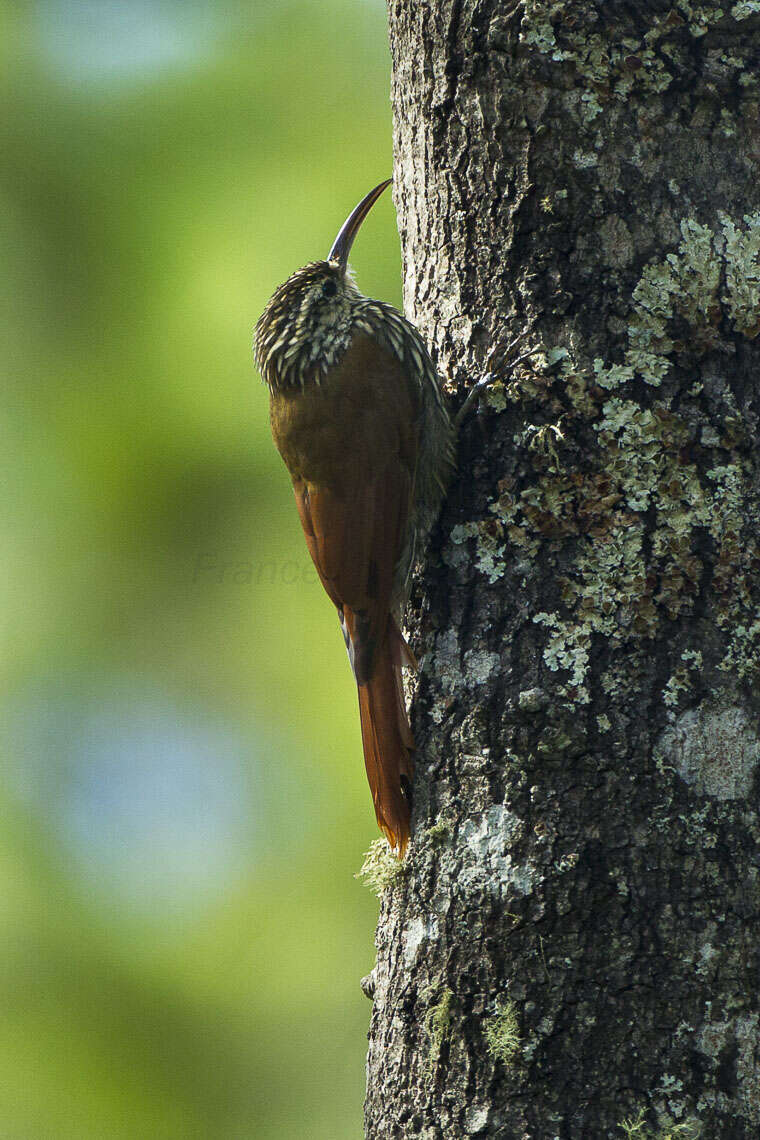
358,415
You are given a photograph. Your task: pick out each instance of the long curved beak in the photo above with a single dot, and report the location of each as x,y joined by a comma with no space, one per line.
342,245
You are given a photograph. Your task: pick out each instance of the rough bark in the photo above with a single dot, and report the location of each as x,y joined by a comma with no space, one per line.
573,942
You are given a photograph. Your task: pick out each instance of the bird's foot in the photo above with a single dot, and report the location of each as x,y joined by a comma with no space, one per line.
508,362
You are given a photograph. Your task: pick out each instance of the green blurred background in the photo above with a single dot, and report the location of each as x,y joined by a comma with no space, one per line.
183,797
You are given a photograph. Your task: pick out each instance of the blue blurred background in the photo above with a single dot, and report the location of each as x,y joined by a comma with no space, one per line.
183,797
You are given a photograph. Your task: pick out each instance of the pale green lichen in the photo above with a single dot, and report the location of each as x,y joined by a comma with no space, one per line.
611,590
687,285
380,869
742,293
737,552
439,831
670,1090
674,687
539,33
463,531
636,1128
738,1034
613,376
438,1024
745,8
636,514
608,68
610,577
567,648
502,1034
490,546
684,285
742,658
701,16
552,356
680,683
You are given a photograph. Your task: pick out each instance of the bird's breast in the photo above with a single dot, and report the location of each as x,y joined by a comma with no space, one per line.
362,415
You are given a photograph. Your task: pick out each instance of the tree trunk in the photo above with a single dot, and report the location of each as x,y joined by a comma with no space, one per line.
572,948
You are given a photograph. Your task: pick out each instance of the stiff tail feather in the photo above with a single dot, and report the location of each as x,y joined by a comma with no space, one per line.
387,739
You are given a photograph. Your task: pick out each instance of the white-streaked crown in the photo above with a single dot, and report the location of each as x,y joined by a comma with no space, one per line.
306,326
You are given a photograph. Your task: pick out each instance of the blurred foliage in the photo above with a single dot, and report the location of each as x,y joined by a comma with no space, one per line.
183,798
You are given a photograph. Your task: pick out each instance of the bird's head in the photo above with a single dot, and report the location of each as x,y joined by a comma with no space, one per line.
307,324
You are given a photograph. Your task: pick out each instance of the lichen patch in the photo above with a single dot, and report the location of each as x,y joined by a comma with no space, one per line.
738,1037
716,751
488,863
419,933
632,524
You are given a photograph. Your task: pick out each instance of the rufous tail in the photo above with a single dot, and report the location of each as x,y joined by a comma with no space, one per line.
387,738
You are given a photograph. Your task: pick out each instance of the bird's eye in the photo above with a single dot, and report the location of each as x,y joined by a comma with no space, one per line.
330,287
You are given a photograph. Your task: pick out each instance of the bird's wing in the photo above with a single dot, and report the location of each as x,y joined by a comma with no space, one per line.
355,541
350,444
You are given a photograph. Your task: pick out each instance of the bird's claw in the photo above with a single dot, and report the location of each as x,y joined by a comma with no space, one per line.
480,387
